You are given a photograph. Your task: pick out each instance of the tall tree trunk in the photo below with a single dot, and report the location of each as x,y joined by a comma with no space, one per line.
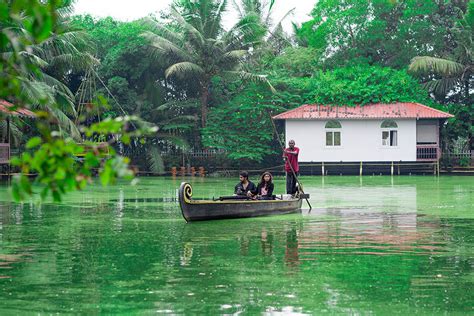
468,102
204,102
466,90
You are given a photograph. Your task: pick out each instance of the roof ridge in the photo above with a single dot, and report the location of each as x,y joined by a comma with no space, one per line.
369,110
429,107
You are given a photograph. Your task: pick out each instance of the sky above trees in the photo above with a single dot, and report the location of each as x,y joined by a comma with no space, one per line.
131,10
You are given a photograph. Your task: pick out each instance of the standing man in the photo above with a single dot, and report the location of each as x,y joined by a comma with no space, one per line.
290,155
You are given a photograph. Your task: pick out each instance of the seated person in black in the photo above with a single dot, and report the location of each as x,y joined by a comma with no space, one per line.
265,187
245,187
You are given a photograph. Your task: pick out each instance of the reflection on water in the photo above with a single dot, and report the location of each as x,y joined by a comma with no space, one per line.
370,247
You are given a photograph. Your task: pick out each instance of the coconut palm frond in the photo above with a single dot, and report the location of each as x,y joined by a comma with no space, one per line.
245,33
164,47
155,161
189,103
236,54
34,59
77,62
58,85
65,123
216,24
184,69
37,92
175,140
190,29
441,86
443,67
65,104
15,133
158,29
142,123
48,50
176,120
287,15
246,76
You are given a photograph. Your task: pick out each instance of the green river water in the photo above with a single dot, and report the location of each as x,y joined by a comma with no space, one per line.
371,245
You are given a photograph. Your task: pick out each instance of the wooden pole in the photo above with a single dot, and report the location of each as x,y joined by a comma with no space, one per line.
8,130
360,169
291,167
9,147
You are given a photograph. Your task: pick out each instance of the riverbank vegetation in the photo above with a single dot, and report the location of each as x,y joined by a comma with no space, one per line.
207,87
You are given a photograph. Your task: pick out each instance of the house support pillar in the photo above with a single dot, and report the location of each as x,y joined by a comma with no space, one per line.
360,169
391,169
322,168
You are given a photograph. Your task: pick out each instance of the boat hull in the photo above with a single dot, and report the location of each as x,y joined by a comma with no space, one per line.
202,210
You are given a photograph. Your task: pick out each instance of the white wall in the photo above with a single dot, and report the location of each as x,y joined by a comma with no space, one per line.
361,140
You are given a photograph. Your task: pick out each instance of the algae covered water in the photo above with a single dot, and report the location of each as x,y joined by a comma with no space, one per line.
370,245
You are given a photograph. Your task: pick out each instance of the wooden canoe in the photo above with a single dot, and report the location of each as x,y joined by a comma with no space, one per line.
202,210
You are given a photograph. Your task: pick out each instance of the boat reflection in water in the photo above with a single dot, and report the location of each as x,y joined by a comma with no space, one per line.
389,224
339,255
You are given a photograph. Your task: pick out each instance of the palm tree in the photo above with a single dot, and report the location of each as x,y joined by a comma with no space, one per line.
454,73
197,47
276,40
66,51
262,11
63,52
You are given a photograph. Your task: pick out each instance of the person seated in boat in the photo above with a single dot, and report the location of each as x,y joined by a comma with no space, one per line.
265,187
245,187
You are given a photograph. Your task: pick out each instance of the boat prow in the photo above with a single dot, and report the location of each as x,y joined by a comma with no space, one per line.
201,210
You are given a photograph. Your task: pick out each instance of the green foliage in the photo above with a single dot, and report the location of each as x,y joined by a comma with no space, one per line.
53,158
242,126
297,62
44,64
465,162
385,32
451,76
361,84
187,68
125,66
51,155
155,161
138,84
198,48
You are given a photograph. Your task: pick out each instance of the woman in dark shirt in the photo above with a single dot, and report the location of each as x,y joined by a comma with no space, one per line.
265,187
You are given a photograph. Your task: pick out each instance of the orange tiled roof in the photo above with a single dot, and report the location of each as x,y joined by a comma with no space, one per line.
5,108
369,111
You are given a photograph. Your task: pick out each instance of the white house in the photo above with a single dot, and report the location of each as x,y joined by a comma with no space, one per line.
372,133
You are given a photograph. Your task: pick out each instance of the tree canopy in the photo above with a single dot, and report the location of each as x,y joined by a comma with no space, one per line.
202,84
